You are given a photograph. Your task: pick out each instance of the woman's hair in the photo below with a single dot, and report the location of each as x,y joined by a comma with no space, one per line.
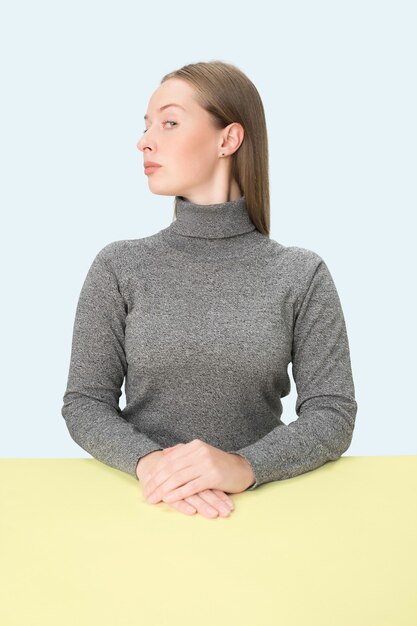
229,96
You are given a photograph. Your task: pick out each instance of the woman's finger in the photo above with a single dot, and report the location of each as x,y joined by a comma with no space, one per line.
224,497
184,507
201,506
208,503
216,502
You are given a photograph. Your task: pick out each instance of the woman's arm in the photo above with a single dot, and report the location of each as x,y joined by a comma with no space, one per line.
96,374
326,405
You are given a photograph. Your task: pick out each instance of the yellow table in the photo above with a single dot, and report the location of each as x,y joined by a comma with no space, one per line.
80,545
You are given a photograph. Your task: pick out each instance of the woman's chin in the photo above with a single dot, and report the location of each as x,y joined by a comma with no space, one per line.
162,190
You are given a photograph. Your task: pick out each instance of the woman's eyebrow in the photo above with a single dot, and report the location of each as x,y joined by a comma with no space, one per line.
172,104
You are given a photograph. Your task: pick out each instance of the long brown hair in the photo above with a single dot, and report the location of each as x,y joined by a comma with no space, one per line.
225,92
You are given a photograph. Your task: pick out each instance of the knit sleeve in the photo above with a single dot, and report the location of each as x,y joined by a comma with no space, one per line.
97,369
326,405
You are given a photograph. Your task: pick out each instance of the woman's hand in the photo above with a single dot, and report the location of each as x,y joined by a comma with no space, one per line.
191,468
209,503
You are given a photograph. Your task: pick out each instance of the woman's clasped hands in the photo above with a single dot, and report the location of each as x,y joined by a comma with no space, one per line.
195,477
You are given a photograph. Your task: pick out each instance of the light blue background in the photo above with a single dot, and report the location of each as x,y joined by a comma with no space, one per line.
338,83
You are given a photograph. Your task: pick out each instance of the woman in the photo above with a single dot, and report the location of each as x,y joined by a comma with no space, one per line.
204,317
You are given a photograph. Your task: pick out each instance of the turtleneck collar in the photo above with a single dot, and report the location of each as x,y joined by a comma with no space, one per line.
211,221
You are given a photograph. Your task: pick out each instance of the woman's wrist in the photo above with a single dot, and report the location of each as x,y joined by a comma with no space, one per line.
143,461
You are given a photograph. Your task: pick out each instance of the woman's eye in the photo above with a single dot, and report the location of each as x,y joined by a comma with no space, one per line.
166,122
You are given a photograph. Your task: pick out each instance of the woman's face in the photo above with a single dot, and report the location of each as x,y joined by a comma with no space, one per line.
185,143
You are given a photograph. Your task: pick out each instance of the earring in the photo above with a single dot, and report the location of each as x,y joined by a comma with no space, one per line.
222,153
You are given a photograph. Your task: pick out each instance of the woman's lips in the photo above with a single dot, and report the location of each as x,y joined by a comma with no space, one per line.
152,168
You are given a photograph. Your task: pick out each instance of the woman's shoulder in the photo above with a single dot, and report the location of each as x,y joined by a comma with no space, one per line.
124,253
296,258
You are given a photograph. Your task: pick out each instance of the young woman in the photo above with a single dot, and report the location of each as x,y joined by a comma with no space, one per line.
202,319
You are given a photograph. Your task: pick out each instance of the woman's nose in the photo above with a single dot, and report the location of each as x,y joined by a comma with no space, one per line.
142,144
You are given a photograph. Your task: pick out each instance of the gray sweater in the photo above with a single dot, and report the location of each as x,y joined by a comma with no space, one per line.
201,321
